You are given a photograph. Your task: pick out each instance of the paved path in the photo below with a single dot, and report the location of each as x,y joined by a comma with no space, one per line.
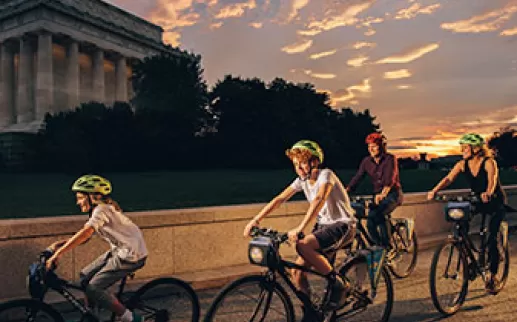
413,302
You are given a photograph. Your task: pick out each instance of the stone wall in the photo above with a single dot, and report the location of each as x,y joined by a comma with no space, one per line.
182,240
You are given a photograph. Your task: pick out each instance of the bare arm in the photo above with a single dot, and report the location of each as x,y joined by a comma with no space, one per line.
449,178
493,176
275,203
79,238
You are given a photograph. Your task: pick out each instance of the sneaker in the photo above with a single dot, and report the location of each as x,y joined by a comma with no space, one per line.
492,286
338,293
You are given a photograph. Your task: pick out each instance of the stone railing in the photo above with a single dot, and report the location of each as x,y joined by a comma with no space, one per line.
179,241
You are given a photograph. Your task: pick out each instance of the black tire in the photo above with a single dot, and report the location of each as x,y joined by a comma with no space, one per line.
504,260
356,309
17,310
455,260
404,261
166,299
243,306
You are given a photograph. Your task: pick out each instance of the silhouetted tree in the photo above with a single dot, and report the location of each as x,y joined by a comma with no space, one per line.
504,143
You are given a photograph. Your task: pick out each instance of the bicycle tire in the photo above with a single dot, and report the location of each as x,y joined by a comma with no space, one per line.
260,281
462,294
156,291
399,271
8,310
351,314
505,253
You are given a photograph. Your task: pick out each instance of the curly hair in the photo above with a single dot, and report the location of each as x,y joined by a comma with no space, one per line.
301,154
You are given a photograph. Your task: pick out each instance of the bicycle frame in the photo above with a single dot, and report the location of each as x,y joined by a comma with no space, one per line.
63,287
468,248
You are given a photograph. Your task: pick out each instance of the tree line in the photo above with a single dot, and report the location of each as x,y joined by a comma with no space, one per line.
175,122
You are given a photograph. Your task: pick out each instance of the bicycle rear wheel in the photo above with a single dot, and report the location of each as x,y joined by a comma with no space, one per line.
28,310
448,278
404,259
503,247
166,299
251,298
365,303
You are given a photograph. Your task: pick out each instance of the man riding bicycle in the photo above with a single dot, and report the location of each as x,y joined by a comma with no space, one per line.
382,168
329,213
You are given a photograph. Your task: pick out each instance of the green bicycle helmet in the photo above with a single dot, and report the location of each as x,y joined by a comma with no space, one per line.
310,146
92,184
473,139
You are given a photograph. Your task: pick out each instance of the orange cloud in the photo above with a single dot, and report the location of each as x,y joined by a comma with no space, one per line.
351,92
396,74
346,18
216,25
323,76
235,10
357,62
409,56
405,86
296,6
323,54
416,9
489,21
371,20
359,45
370,32
169,14
298,47
509,32
256,25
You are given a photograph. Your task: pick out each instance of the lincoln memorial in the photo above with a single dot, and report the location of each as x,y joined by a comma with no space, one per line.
55,54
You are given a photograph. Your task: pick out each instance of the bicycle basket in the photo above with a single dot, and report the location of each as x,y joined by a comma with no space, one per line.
458,211
262,252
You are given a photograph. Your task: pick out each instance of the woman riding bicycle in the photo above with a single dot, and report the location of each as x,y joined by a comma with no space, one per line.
128,251
480,170
329,213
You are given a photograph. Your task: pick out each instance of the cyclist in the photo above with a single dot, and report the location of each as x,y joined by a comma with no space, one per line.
480,170
382,168
329,213
128,251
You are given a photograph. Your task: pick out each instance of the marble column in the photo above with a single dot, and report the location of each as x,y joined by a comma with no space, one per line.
24,98
72,75
7,108
98,90
121,79
44,76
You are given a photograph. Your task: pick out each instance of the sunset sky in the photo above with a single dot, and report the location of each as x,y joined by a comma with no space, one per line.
428,69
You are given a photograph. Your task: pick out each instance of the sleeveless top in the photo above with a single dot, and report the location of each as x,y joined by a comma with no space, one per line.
478,184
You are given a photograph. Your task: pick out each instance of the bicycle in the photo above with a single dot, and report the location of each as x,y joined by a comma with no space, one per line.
402,256
261,297
160,300
461,264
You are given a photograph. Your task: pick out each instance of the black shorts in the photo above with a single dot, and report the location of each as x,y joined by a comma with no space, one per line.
333,236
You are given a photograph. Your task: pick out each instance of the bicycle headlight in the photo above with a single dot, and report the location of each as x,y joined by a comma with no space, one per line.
456,213
256,255
262,252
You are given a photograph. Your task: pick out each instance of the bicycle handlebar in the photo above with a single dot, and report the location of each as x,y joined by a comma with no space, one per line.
472,198
273,234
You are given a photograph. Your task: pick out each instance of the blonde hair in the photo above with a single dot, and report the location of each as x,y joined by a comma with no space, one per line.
98,199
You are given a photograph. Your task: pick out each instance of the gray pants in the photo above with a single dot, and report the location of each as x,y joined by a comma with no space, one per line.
103,272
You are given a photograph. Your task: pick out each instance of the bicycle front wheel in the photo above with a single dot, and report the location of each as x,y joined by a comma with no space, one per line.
28,310
403,260
366,303
166,299
449,278
251,298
